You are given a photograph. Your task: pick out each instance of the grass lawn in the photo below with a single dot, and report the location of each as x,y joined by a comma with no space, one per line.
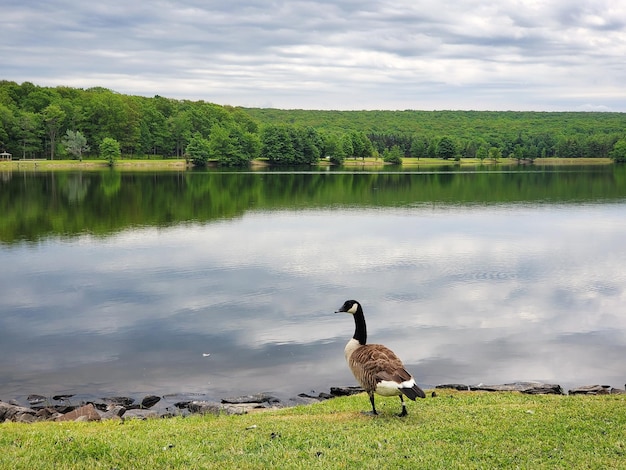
453,430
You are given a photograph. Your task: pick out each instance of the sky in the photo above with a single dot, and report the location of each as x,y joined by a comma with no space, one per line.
538,55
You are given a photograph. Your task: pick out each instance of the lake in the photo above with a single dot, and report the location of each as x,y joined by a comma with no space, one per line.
226,283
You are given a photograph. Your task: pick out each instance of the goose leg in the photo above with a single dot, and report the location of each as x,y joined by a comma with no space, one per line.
373,412
403,412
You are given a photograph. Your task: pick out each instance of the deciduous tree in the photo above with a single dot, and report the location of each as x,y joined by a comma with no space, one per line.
53,117
393,155
198,150
446,148
618,154
110,150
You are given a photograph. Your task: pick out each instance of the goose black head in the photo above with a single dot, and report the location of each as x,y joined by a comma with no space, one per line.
349,306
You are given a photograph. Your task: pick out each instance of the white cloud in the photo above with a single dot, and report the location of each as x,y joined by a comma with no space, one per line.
315,54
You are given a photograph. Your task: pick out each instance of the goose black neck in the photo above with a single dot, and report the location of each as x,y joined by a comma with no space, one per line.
360,331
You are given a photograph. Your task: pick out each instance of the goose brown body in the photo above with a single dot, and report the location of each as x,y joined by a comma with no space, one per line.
375,366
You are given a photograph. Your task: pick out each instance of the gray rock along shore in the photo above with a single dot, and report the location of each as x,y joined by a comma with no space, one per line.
60,408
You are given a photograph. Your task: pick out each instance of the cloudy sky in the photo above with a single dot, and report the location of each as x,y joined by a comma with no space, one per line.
346,54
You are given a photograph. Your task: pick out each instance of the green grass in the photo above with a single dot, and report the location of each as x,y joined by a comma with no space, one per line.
454,430
122,164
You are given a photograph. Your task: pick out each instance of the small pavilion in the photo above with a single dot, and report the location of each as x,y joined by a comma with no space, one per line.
6,156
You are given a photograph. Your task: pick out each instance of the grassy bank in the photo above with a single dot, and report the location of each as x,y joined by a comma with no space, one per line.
48,165
454,430
180,164
411,162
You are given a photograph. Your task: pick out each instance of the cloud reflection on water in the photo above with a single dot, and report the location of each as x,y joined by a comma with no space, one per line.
491,294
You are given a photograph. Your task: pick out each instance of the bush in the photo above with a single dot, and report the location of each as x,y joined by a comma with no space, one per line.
393,155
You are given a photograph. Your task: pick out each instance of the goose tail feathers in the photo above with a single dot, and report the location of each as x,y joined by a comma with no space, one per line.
413,392
403,382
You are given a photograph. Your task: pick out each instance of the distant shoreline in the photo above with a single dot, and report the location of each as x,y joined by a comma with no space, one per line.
181,164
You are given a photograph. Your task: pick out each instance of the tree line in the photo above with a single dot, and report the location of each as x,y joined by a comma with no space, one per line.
65,122
473,134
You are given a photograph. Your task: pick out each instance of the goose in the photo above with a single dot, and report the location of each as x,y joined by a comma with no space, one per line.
375,366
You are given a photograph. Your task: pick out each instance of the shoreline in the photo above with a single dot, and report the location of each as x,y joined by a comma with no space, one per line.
85,407
180,164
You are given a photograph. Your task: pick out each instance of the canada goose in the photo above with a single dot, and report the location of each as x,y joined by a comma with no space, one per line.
375,366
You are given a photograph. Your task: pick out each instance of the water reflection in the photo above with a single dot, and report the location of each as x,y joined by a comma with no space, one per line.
38,205
462,292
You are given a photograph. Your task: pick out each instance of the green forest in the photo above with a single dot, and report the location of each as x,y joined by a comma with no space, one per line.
61,122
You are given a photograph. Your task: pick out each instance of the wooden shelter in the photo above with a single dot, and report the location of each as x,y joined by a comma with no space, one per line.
6,156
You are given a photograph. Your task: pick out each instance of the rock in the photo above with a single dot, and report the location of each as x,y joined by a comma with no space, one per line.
345,391
183,405
319,397
99,405
591,390
208,407
47,414
113,412
124,401
25,418
62,409
149,401
460,387
257,398
63,398
10,412
86,412
544,389
35,399
140,414
534,388
302,399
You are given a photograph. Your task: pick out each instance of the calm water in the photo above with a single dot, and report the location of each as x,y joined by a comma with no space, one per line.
226,283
